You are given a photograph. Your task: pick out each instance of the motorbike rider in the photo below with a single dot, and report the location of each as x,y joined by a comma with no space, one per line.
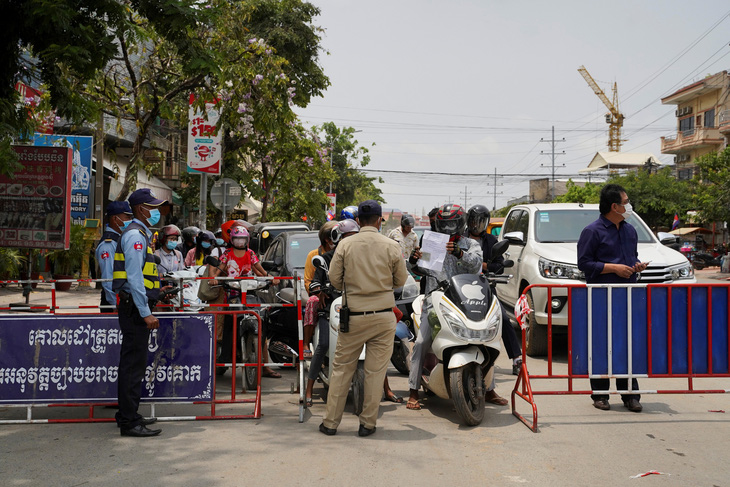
463,256
326,294
188,239
477,221
348,213
171,259
203,247
405,235
241,261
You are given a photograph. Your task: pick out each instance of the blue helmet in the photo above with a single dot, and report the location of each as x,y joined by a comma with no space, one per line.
348,213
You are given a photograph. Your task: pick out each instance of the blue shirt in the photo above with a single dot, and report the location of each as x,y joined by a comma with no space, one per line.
134,259
105,258
602,243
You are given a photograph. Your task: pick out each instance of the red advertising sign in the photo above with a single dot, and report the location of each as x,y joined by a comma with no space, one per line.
35,204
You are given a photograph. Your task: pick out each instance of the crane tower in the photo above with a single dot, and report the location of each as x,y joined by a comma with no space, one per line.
614,118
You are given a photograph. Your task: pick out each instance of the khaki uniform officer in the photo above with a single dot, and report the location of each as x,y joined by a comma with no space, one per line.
366,267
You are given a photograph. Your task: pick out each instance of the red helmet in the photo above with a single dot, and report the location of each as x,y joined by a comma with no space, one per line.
168,230
450,219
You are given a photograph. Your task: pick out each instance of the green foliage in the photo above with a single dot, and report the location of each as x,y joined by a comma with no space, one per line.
712,191
589,193
10,262
656,197
67,262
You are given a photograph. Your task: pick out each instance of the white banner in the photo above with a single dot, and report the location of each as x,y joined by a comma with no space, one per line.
204,140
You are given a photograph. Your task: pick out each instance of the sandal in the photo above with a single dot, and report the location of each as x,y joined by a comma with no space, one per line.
393,397
413,405
271,373
308,402
307,355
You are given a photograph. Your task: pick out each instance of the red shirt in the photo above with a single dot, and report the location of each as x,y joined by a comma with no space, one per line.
239,266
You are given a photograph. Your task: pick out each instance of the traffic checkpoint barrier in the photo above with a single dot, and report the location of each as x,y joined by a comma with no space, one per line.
656,331
28,385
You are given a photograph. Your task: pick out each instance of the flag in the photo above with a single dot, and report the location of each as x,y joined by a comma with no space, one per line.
675,223
330,215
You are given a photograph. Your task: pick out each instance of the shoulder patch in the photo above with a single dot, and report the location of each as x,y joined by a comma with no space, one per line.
105,255
138,246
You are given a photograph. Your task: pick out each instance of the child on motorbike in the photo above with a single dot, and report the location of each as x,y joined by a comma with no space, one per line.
240,261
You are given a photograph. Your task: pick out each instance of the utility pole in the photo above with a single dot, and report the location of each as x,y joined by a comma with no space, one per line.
553,154
466,196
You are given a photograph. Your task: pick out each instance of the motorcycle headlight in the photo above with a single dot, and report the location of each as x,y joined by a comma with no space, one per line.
459,328
682,271
556,270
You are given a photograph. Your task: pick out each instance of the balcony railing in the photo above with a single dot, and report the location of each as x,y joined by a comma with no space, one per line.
724,121
691,139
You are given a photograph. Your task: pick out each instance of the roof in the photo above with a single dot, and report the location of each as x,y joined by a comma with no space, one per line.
620,160
688,230
687,93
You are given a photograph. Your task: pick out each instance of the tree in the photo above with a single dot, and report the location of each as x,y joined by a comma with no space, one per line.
588,193
712,190
656,196
350,184
62,44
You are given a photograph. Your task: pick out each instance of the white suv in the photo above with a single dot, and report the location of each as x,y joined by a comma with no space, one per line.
543,245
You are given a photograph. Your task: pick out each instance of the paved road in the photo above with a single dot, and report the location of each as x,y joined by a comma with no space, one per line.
576,444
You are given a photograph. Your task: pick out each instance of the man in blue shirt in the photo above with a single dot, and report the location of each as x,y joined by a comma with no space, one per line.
138,285
118,213
607,254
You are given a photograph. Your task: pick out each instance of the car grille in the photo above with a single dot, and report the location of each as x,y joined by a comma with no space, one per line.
655,275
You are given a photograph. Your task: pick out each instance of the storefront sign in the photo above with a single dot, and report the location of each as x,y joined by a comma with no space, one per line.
65,359
35,202
204,140
80,172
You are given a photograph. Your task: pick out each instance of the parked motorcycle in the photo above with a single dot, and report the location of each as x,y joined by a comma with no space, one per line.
466,322
700,260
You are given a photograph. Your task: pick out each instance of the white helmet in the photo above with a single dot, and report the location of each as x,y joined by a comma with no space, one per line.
345,226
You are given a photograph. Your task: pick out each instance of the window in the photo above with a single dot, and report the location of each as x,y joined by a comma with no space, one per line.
684,174
709,118
687,124
510,225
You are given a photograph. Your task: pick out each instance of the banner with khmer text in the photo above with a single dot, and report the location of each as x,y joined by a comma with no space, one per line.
65,359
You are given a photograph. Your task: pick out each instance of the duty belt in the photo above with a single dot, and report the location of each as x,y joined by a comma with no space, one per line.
126,298
361,313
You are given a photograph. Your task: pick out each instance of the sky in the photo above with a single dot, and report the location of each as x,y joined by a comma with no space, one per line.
471,87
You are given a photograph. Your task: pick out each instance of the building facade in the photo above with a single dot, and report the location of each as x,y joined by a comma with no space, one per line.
703,121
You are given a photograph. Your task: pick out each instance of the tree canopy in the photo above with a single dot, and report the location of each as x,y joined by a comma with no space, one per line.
712,189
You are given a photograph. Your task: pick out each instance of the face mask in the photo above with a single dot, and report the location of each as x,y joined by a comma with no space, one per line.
171,244
628,210
154,217
239,243
205,245
219,242
125,224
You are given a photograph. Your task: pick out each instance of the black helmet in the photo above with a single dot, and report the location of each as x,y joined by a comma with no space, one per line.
190,233
451,220
477,219
407,221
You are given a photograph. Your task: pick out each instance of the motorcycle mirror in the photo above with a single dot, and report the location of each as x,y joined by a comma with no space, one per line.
498,249
210,260
158,261
508,263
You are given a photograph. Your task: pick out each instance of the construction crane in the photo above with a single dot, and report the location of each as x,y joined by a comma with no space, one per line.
614,118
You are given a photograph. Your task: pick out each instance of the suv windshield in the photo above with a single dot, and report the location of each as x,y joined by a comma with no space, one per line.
299,248
566,225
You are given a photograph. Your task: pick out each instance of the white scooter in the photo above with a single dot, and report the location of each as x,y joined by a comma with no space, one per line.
466,323
190,284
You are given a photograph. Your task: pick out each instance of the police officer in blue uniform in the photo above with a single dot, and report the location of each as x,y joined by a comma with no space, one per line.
138,285
118,216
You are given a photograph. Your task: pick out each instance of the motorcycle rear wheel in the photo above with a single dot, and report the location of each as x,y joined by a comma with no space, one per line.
401,358
467,392
358,388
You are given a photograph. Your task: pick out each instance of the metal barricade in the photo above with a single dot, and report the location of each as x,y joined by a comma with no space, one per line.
635,331
70,312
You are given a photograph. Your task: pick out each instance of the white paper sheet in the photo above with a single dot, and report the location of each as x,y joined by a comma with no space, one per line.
433,250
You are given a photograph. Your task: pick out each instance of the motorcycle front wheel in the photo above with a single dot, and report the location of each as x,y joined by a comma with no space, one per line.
467,391
249,347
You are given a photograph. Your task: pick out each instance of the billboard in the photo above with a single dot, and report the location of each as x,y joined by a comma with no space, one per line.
65,359
35,202
204,139
80,171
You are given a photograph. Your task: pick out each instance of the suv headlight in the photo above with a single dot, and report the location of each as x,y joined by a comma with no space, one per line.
682,271
459,328
557,270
